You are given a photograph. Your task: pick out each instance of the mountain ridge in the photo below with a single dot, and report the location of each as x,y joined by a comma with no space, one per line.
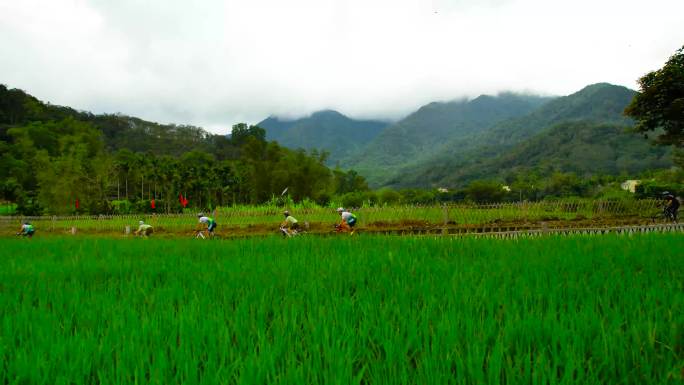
433,124
327,130
599,105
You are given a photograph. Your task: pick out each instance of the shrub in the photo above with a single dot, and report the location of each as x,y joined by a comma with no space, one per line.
359,199
121,207
417,197
654,189
388,197
485,191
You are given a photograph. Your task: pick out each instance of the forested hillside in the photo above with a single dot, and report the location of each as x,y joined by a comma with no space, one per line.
599,106
118,131
582,147
327,131
57,160
416,137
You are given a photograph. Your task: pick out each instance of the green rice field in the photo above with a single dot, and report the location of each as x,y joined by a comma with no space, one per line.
347,310
250,218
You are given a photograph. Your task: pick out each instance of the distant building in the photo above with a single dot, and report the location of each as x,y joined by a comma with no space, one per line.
630,185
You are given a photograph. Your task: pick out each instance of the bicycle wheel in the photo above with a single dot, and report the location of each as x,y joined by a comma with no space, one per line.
670,216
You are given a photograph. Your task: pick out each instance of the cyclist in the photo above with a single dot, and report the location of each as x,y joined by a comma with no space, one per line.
672,205
290,226
209,221
27,230
144,229
348,221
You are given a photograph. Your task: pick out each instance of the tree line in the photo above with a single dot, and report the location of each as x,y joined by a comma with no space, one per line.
55,160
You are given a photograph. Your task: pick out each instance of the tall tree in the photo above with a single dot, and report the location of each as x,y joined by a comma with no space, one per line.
241,132
660,103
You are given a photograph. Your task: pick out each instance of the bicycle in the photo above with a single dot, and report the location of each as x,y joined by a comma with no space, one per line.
204,234
344,229
664,215
290,233
143,234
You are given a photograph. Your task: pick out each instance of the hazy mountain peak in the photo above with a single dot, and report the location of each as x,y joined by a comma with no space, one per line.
484,98
327,130
328,114
602,86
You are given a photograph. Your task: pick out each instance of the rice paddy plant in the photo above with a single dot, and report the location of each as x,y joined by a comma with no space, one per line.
371,310
245,216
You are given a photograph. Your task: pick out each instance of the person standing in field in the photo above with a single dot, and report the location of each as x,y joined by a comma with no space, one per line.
144,230
209,221
290,225
27,230
348,221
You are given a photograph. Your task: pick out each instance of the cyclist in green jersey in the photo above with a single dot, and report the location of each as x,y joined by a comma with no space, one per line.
290,226
27,230
209,221
348,221
144,229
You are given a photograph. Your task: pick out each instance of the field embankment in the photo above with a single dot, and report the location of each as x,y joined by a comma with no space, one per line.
435,219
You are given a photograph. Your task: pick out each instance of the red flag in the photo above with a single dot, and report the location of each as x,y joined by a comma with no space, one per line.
77,204
152,204
182,200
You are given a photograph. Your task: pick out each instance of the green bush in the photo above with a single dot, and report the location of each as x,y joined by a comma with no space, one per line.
654,189
388,197
121,207
142,206
359,199
28,206
323,199
485,191
100,207
417,197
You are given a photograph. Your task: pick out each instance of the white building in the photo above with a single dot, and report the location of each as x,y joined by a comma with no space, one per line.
630,185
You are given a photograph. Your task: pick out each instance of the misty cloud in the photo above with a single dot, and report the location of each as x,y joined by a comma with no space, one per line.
220,62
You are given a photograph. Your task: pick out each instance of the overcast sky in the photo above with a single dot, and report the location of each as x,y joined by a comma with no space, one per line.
215,63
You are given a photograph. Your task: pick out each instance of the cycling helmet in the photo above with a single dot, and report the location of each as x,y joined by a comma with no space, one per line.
340,209
141,223
200,215
286,212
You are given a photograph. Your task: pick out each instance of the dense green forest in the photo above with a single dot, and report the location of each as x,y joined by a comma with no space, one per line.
573,131
582,147
328,130
415,138
56,160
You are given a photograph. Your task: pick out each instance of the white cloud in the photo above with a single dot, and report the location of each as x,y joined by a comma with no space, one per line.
214,63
